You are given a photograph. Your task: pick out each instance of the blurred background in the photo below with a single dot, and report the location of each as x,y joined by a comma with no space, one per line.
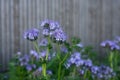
91,20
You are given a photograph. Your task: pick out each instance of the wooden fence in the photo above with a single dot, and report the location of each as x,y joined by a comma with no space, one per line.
91,20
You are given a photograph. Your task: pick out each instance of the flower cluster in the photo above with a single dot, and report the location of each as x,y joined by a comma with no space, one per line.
53,57
38,72
31,63
113,45
101,72
43,42
32,34
26,61
76,60
53,30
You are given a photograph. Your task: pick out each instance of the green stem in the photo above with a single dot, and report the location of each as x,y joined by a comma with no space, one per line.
44,64
48,48
85,75
64,58
59,71
44,69
47,53
111,59
60,64
116,60
58,50
74,71
37,48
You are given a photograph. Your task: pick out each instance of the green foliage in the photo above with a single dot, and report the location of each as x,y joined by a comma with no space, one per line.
61,60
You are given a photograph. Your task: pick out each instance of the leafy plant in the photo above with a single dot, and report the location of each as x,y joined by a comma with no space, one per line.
53,58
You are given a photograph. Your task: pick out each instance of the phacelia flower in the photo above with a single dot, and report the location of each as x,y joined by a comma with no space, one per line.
24,60
44,42
75,59
43,54
117,39
53,30
94,69
115,47
49,72
64,49
111,44
45,23
102,72
32,34
46,32
88,63
49,27
18,53
82,72
107,43
34,54
59,36
28,67
54,25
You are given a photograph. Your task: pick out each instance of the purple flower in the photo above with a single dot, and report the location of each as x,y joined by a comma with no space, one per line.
79,62
115,47
49,24
58,35
49,72
75,59
49,27
111,44
102,71
34,53
107,43
28,67
117,39
54,25
81,72
24,60
43,54
44,23
40,69
18,53
44,42
33,66
88,63
94,69
32,34
64,49
46,32
53,30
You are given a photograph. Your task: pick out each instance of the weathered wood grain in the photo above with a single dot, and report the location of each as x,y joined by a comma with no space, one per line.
91,20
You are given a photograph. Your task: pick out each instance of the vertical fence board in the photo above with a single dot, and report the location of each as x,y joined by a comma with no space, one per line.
90,20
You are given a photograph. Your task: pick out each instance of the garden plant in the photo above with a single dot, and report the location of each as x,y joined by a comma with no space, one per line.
54,57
